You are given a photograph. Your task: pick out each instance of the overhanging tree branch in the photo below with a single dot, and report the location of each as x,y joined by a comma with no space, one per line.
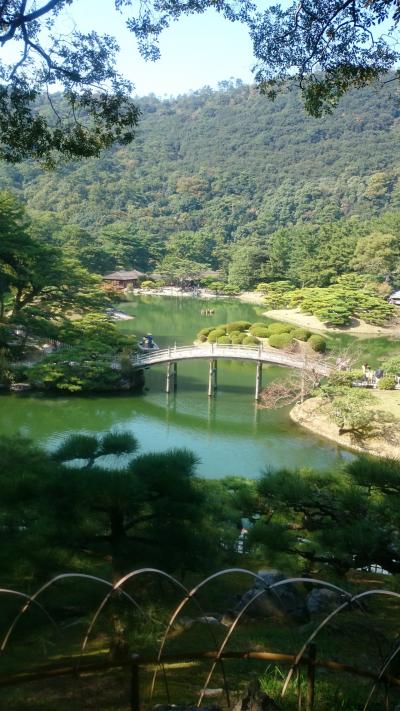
325,47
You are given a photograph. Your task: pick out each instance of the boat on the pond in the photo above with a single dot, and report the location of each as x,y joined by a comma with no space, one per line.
119,315
147,345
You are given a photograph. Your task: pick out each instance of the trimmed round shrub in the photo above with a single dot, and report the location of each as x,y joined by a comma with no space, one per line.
224,339
280,340
201,337
260,331
215,334
237,340
250,341
301,334
230,289
276,328
388,382
233,334
238,326
258,324
206,331
317,343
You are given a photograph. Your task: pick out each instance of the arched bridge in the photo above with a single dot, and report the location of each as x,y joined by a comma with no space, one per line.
215,351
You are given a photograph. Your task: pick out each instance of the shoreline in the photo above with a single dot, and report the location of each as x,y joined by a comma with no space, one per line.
359,327
293,316
177,291
310,415
298,318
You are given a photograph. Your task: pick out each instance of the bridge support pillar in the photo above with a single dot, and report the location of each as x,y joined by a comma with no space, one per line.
172,375
258,380
212,377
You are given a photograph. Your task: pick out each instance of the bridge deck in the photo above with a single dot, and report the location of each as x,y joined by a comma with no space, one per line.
238,352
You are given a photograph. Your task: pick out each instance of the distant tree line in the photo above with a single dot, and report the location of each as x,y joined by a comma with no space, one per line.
217,178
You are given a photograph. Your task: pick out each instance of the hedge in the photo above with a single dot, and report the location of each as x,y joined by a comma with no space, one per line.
280,340
238,326
260,331
275,328
388,382
215,334
234,334
317,343
250,341
206,331
237,340
301,334
258,325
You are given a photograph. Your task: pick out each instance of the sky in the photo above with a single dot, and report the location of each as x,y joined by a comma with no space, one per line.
195,51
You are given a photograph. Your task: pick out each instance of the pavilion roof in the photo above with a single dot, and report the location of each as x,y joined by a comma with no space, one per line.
133,274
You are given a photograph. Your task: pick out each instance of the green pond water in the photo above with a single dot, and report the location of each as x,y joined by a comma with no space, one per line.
228,433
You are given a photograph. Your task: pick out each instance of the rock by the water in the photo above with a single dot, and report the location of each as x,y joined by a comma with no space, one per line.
286,602
268,577
323,600
208,620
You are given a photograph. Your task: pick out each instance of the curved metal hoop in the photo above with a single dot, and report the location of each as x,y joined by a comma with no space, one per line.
28,599
389,593
191,596
118,586
328,618
265,588
33,598
350,599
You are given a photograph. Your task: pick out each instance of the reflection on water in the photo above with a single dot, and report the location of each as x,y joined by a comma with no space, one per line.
228,433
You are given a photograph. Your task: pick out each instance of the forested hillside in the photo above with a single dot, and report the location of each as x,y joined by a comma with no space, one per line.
213,169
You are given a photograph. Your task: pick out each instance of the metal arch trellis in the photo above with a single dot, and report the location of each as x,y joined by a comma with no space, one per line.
209,579
326,620
266,588
113,588
28,600
117,586
33,598
351,599
191,596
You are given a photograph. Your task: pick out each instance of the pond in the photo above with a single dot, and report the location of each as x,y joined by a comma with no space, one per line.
228,433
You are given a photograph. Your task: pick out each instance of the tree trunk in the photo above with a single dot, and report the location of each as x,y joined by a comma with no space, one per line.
117,538
119,646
